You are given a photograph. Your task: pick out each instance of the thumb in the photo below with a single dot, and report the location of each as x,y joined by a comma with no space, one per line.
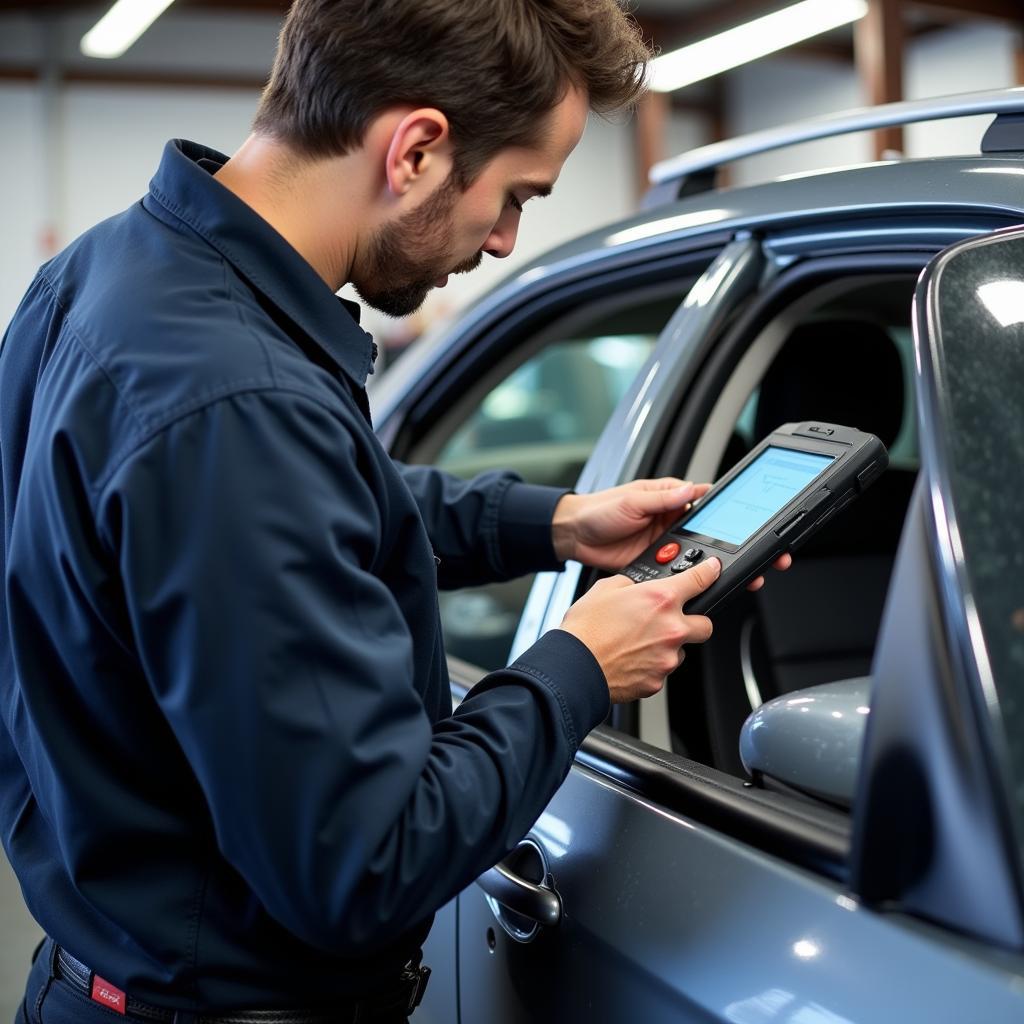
696,580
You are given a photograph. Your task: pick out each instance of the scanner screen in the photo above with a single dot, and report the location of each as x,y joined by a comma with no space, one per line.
774,478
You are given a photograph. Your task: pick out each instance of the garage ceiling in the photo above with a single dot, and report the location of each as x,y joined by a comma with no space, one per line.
668,22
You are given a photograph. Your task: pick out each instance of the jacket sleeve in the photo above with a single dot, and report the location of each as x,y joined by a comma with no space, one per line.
485,530
246,534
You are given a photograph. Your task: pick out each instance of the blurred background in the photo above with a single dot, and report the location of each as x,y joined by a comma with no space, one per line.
81,136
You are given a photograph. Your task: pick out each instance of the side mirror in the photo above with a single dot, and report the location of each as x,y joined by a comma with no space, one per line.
809,741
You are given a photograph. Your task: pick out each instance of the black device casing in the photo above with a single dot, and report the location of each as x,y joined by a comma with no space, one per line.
859,459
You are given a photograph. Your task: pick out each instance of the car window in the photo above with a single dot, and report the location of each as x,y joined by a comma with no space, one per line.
977,347
804,630
541,416
542,421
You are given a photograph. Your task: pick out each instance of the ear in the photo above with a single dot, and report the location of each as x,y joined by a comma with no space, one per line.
420,151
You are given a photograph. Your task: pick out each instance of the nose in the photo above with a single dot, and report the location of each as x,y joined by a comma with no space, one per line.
502,239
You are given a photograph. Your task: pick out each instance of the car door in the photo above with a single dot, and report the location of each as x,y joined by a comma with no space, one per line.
529,388
655,888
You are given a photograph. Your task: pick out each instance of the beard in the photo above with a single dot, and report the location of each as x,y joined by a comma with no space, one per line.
405,259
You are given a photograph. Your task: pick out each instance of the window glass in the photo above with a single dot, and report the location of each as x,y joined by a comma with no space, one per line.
979,356
542,420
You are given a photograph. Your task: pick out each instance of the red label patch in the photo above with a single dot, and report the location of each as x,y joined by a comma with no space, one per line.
107,995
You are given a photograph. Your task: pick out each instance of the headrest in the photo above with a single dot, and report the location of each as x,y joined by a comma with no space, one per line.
839,371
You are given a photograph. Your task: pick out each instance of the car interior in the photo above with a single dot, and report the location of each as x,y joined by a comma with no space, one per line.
842,354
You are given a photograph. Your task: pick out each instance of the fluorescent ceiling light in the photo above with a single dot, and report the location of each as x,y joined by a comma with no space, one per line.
121,26
748,42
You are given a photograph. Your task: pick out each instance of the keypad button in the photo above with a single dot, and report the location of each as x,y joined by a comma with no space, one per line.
666,553
681,566
693,554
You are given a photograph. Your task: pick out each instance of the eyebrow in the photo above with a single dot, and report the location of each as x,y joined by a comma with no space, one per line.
538,188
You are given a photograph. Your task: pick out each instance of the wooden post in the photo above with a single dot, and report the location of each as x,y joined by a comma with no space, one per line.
1018,58
719,122
878,45
650,128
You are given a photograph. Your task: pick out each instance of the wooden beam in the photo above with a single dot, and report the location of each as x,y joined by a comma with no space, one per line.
878,42
157,79
19,75
99,6
822,49
719,17
686,104
971,10
670,33
720,128
650,131
246,6
162,79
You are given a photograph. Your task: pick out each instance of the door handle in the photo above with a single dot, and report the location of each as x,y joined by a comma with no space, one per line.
533,901
521,892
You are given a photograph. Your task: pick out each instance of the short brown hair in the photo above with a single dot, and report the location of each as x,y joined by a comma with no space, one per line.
495,68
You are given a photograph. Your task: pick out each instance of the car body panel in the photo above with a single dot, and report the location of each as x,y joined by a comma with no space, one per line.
666,920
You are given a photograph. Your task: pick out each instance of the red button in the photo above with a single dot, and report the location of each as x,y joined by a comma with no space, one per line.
666,553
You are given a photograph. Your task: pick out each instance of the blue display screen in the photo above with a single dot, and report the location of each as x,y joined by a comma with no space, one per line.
773,479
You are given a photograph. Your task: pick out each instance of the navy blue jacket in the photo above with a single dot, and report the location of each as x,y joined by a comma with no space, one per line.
229,770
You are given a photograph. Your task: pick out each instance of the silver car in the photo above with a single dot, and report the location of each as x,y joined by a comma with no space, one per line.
821,818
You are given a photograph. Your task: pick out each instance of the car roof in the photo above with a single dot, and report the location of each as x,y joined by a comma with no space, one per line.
986,185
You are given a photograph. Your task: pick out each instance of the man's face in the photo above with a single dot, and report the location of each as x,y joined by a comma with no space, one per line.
449,232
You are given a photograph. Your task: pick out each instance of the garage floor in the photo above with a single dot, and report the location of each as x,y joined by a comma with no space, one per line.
18,937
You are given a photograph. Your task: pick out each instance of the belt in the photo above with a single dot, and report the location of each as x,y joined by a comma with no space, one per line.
402,1000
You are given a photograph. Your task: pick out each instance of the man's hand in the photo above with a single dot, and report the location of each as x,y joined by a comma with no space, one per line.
636,631
607,530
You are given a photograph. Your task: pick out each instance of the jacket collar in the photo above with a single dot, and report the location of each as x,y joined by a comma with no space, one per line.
185,188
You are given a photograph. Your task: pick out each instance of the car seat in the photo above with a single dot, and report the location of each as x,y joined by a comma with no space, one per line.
818,622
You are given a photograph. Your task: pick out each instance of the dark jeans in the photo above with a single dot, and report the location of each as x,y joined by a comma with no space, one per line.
49,1000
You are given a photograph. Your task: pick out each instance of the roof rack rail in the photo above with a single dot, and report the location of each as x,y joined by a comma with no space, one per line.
695,171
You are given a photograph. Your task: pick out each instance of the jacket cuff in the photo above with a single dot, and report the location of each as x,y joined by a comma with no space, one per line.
524,528
565,665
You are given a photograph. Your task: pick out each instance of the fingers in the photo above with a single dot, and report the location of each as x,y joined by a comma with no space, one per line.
616,582
668,495
782,563
699,629
662,483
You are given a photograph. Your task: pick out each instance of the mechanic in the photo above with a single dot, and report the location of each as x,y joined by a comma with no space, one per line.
231,782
